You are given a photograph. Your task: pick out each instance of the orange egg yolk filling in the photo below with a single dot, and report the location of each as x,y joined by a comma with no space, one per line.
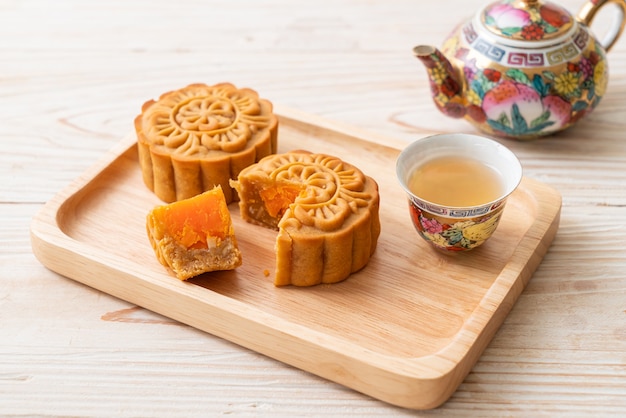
191,221
277,199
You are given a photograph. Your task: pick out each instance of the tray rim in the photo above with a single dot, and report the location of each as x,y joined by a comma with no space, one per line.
407,375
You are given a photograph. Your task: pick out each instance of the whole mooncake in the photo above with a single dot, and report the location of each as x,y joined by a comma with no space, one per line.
325,211
197,137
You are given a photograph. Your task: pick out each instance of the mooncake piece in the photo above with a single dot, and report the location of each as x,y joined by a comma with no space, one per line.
194,138
325,211
194,235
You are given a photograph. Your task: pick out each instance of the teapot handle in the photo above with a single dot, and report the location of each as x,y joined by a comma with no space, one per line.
589,10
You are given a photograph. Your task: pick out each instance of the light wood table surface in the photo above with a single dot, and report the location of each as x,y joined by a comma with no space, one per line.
73,75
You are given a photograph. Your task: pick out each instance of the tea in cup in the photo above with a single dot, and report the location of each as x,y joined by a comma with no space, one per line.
457,186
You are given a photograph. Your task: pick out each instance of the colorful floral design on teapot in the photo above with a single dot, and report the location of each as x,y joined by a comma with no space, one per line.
546,21
516,103
520,101
520,69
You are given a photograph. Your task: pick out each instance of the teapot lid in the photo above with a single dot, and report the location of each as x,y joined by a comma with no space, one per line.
526,21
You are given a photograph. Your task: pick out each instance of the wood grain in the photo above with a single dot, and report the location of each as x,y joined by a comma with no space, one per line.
423,317
75,73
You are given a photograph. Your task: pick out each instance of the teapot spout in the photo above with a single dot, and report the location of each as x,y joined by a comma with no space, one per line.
445,82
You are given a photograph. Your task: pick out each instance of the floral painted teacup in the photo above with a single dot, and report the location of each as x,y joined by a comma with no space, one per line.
457,186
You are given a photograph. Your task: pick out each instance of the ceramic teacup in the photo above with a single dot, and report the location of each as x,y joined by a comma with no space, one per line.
457,186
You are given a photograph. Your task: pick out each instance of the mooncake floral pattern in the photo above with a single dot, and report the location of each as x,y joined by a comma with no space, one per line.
334,189
191,139
202,118
458,236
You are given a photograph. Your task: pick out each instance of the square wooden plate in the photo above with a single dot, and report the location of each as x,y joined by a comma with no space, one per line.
406,329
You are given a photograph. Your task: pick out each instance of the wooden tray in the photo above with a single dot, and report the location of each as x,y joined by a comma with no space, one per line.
407,329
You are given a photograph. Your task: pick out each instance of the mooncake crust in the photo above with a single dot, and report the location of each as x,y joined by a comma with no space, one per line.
331,228
187,263
194,138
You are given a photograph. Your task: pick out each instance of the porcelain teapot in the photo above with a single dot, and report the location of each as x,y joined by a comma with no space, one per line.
523,69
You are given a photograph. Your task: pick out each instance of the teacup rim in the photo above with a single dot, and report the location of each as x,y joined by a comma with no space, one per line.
483,139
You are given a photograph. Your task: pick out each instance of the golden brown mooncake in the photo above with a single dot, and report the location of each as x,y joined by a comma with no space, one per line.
194,235
325,211
197,137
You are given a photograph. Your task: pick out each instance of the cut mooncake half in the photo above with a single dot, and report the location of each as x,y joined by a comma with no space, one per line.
194,138
194,235
326,212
